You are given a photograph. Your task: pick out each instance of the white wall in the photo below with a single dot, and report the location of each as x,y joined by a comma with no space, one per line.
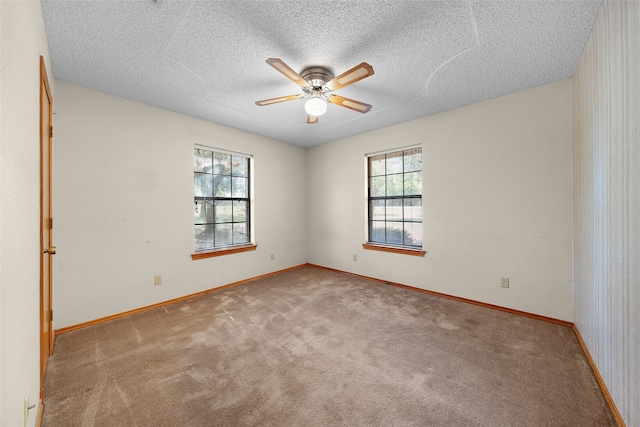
123,208
23,41
607,201
497,199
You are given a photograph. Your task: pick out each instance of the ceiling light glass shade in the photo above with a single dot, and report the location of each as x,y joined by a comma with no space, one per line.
315,107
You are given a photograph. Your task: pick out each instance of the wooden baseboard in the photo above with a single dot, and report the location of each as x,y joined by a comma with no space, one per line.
465,300
603,386
171,301
40,413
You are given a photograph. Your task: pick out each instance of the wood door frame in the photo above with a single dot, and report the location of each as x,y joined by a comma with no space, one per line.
46,223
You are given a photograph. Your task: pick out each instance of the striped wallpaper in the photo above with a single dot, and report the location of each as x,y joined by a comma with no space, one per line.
607,201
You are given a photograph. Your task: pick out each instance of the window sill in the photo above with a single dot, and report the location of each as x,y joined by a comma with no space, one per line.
224,251
393,249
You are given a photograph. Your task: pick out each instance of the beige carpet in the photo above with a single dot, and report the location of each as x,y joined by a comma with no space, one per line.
311,347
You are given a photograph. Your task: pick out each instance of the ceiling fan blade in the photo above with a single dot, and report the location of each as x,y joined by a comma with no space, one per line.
355,74
287,71
312,119
279,99
351,104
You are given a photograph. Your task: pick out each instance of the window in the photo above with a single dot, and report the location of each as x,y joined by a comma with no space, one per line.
395,198
222,211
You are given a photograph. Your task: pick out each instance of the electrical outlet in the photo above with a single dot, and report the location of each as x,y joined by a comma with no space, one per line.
355,257
157,280
504,282
273,256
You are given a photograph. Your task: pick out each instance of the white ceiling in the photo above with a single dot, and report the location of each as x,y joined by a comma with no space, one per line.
207,58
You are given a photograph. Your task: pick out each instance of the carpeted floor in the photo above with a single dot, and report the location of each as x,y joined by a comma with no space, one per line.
311,347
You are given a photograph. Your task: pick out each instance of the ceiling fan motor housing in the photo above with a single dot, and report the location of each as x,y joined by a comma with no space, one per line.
317,77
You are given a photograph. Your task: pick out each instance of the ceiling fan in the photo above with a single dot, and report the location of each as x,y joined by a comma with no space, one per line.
318,83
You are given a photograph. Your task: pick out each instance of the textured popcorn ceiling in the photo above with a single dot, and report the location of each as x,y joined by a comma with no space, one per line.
207,58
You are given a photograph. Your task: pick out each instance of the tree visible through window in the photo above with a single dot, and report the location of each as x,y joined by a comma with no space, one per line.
221,199
395,198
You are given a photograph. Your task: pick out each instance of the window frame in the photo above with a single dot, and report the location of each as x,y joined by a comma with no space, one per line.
385,246
250,245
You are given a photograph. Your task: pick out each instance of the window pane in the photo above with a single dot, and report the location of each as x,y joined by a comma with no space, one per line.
221,164
223,211
240,234
412,183
377,231
377,210
413,160
202,185
376,165
394,163
413,210
203,212
395,233
222,186
203,237
377,186
239,211
394,210
239,166
202,160
413,234
223,235
394,185
239,187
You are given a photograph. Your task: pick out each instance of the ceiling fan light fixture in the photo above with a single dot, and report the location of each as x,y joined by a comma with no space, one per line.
315,107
